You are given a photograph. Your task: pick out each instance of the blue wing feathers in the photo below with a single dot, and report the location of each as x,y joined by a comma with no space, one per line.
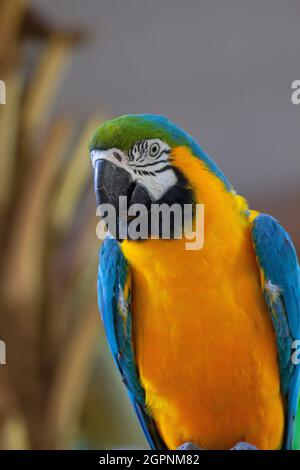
278,262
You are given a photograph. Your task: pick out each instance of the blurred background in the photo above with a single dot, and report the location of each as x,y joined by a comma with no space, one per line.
222,71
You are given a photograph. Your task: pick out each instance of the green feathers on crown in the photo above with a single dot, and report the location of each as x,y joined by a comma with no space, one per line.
123,132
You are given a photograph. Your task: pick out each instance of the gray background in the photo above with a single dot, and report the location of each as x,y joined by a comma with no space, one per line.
220,69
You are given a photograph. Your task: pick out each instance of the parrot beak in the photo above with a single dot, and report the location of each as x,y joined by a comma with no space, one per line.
115,188
112,181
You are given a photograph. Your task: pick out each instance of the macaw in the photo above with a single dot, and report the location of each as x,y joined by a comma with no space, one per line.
204,338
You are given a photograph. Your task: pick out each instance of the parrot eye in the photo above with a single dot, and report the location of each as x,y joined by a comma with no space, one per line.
154,150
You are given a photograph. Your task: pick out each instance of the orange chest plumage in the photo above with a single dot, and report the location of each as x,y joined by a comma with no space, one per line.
204,342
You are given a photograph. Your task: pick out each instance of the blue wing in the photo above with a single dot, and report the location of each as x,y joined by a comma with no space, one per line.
280,271
114,296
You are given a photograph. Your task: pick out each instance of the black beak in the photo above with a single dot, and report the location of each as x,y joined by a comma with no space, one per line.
110,182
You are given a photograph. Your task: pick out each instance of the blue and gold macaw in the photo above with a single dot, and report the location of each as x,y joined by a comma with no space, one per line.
204,338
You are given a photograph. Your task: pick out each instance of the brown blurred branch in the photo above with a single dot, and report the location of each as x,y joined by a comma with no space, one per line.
48,247
69,384
12,14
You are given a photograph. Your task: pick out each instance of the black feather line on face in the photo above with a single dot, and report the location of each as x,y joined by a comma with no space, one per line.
142,146
151,164
165,168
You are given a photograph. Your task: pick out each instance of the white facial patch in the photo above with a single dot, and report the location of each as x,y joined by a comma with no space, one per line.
147,162
115,156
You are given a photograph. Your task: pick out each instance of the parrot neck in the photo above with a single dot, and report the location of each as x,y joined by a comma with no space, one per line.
226,225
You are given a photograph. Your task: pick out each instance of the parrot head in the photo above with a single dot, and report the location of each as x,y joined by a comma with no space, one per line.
142,158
